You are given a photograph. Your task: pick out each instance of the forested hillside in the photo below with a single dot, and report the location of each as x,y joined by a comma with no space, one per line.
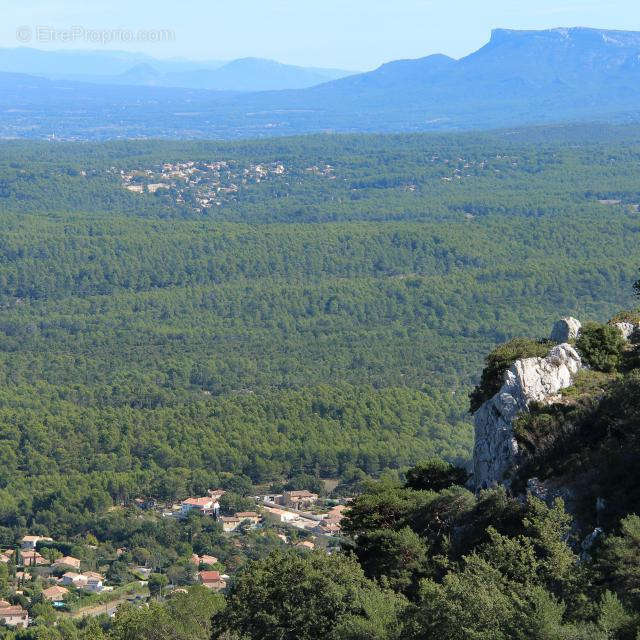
329,317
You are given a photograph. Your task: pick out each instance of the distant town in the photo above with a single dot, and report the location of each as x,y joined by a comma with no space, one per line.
203,185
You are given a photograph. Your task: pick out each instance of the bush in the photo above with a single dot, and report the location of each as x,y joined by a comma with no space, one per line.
601,346
497,363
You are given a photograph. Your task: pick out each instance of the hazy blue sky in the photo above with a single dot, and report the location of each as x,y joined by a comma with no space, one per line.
352,34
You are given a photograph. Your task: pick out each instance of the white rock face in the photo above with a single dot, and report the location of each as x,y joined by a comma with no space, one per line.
626,329
528,380
565,329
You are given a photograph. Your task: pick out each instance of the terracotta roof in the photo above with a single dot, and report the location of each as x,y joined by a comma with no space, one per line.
209,576
55,592
33,556
247,514
16,610
198,502
306,545
208,559
36,539
280,512
338,509
69,561
93,575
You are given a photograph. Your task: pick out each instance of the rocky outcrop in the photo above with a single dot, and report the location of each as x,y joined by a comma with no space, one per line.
626,329
565,329
528,380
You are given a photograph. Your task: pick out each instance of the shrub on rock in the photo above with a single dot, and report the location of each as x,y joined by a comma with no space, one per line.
601,346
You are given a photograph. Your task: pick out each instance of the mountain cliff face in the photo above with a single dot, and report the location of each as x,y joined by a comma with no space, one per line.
528,380
576,410
512,64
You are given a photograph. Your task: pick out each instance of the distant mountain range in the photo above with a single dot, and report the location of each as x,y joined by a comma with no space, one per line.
121,67
517,78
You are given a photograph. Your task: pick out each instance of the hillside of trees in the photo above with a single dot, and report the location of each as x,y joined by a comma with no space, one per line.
423,557
311,323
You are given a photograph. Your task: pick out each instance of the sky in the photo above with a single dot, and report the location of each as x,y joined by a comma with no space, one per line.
346,34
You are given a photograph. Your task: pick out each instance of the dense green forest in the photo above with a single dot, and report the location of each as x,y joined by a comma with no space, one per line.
308,324
325,322
426,558
423,557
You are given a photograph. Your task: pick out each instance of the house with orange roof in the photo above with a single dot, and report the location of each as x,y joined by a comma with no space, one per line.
55,594
67,562
14,616
92,574
95,582
212,580
206,506
32,559
306,544
250,516
203,559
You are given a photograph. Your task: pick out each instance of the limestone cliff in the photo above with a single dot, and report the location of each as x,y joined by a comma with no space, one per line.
527,380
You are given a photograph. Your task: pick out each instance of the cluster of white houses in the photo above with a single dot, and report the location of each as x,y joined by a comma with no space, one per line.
57,592
289,508
209,183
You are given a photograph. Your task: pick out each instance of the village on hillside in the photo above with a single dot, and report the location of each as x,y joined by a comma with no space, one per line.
203,185
43,570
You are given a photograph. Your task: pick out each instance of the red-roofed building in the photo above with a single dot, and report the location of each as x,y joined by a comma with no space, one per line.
204,559
32,558
14,616
206,506
251,516
67,562
55,594
212,580
306,544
